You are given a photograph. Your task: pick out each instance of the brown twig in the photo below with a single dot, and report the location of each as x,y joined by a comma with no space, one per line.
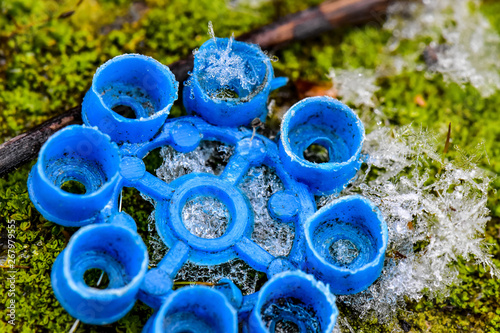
15,266
23,148
447,143
302,25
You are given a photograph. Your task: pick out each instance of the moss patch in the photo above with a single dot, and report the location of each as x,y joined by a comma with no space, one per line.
47,59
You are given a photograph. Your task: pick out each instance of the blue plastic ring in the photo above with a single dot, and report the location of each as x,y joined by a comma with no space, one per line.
81,154
329,123
346,244
137,81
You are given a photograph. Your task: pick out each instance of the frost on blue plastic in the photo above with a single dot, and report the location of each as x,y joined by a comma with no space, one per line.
341,245
230,82
294,300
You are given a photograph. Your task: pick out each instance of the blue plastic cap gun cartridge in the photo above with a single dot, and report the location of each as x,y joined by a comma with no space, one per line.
346,244
238,94
296,298
118,251
81,154
131,80
326,122
342,244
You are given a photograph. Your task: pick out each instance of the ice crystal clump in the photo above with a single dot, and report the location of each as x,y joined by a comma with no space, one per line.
206,217
236,270
208,157
355,86
258,185
435,211
343,251
464,47
227,72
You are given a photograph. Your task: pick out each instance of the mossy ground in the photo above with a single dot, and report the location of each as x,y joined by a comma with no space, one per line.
47,59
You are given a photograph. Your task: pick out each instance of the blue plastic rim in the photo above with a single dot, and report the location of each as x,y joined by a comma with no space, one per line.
346,244
116,250
135,81
238,101
195,309
206,251
81,154
293,299
326,122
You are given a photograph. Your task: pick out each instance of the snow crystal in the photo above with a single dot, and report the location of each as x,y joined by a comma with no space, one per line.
225,72
435,210
209,157
206,217
464,47
355,86
258,185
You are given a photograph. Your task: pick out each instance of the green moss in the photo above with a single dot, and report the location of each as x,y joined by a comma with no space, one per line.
47,63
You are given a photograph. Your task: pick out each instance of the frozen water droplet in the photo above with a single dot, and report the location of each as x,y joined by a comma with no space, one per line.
344,251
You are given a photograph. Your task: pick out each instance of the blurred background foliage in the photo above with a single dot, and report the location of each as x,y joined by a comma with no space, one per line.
50,49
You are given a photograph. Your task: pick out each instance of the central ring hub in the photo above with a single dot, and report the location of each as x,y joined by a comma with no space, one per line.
171,226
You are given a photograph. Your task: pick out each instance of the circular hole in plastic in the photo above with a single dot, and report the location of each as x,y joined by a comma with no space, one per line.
206,217
317,153
133,83
289,313
124,111
73,186
113,250
79,155
96,278
320,144
332,126
75,175
345,243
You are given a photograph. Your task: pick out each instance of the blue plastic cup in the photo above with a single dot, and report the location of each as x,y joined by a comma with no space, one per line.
135,81
195,309
230,83
116,250
326,122
293,299
81,154
345,244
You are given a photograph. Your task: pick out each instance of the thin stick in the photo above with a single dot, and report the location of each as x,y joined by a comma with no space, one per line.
447,143
74,327
121,199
